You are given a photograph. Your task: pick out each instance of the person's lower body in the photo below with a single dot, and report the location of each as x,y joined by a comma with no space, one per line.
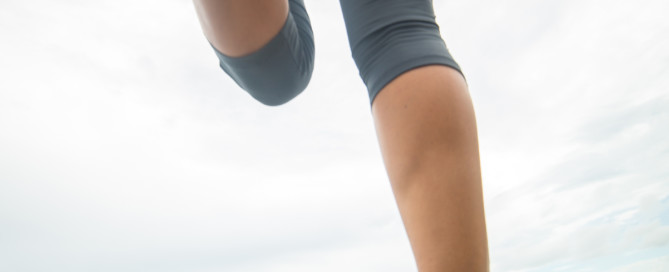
422,111
387,38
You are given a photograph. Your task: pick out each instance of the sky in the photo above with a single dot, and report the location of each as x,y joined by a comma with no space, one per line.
124,147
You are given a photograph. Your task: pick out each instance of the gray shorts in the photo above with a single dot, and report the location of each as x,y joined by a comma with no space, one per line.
387,38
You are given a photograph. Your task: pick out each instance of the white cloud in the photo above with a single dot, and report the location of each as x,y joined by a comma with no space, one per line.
585,115
653,265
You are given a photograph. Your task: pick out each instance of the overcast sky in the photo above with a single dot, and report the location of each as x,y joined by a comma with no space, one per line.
124,147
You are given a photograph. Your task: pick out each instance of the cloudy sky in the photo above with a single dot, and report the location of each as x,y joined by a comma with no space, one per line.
123,146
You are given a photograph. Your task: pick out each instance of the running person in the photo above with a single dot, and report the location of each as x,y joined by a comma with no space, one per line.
420,103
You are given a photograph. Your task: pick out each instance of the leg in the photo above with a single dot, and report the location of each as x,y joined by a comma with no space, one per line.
426,129
266,46
427,132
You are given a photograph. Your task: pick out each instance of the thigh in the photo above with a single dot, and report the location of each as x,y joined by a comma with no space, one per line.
240,27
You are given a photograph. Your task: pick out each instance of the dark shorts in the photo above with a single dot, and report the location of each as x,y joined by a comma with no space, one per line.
387,38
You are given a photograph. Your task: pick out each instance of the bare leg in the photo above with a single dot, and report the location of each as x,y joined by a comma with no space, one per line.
240,27
427,132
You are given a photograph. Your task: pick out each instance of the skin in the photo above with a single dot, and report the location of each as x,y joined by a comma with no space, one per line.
240,27
427,132
426,128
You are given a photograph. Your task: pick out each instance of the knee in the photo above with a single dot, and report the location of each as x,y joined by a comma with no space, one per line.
274,82
282,68
274,88
388,38
391,51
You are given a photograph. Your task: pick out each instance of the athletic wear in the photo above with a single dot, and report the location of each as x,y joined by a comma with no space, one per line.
387,38
282,68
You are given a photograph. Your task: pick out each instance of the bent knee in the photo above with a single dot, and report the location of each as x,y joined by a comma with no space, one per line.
276,87
282,68
273,82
